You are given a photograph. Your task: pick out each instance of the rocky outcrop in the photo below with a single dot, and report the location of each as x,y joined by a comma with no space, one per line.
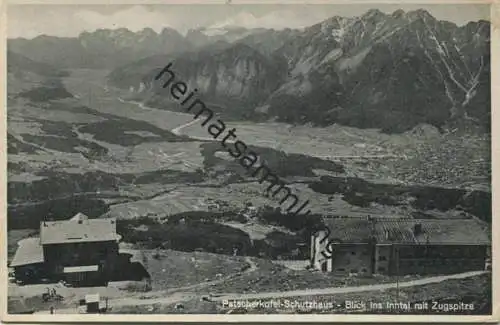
387,71
236,75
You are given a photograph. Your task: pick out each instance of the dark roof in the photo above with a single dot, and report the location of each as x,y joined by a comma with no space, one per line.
394,230
78,231
29,251
354,230
433,231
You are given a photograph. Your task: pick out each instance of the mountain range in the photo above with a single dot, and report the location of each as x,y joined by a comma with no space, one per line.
387,71
103,48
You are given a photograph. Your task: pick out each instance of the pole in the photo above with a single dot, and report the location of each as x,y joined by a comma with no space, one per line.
397,273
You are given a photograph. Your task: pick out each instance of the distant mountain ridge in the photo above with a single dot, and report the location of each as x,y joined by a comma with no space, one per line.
103,48
389,71
34,80
110,48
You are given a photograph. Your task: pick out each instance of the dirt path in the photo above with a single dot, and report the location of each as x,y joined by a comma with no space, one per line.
183,296
177,130
329,291
176,297
164,297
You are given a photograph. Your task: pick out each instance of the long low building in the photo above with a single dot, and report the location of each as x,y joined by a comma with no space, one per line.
401,246
79,251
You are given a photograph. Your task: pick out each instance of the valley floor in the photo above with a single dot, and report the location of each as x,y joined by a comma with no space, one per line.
104,155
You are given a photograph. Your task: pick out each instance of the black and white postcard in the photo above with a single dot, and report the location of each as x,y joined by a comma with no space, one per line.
231,161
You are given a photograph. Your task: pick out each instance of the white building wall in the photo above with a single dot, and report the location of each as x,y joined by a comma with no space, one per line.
316,248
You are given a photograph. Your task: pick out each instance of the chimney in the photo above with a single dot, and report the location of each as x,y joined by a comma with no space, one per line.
417,229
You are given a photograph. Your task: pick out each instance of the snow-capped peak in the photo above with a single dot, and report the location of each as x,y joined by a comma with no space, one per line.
278,20
242,19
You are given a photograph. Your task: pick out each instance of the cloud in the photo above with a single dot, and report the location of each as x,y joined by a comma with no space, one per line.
31,21
70,21
134,18
279,19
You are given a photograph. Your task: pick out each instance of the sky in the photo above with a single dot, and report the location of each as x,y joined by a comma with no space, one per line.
28,20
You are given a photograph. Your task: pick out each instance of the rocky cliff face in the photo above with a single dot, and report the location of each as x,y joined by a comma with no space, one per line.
390,71
236,72
223,73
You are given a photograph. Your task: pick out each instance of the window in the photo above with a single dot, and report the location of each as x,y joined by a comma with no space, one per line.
354,271
381,269
363,270
341,269
382,258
